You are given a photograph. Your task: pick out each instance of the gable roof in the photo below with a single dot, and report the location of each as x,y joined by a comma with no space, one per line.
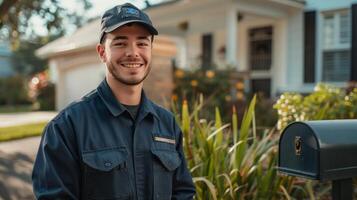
84,37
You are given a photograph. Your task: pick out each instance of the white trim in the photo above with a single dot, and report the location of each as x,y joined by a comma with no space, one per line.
337,45
290,3
231,36
319,42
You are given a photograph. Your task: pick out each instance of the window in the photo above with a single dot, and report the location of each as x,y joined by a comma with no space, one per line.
336,46
260,48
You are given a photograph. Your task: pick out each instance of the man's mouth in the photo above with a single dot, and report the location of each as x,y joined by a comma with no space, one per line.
132,65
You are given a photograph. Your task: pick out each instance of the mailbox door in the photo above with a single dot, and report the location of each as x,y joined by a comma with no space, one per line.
299,151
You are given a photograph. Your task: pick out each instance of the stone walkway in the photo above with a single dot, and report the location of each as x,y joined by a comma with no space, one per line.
17,157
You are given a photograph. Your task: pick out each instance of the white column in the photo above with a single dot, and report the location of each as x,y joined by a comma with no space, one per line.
231,36
181,55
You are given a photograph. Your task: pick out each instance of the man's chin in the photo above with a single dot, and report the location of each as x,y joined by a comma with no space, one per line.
129,82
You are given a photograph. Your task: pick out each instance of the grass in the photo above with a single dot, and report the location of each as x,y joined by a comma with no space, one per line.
21,131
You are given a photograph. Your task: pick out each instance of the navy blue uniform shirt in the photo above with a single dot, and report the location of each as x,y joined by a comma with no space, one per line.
94,149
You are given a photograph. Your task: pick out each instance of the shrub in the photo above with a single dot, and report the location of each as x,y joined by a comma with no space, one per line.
228,162
46,97
220,87
216,86
13,91
326,102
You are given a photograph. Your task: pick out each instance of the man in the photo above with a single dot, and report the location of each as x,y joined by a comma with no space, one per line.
115,143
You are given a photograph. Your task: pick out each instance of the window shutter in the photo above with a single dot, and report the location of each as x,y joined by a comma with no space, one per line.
354,43
310,46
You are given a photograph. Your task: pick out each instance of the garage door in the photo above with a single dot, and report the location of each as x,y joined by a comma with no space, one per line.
80,80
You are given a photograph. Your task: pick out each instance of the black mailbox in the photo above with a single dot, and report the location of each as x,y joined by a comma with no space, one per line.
321,150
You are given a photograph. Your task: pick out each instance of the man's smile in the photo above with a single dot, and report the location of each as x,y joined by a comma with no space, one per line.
131,65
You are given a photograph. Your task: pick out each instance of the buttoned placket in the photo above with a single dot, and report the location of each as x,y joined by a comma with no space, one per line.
140,117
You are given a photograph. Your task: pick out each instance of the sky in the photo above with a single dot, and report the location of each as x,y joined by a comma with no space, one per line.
98,8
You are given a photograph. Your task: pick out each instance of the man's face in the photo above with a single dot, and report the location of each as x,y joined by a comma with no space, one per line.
127,53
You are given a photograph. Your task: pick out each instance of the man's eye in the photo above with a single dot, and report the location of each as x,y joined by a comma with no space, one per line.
143,44
119,44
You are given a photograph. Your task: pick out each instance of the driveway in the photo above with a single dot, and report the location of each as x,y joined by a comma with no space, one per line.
13,119
17,157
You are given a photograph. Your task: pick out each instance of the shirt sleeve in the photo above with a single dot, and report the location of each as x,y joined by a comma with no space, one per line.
56,171
183,187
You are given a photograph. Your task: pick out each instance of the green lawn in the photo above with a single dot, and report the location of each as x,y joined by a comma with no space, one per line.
21,131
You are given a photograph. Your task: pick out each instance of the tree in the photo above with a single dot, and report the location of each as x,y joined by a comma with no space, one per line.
15,15
24,59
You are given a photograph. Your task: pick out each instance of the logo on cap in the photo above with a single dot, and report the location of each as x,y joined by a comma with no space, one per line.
130,12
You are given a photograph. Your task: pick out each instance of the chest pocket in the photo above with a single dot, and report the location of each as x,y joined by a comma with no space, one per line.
165,163
106,174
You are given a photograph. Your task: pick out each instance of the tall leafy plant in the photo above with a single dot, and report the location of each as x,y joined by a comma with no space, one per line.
229,161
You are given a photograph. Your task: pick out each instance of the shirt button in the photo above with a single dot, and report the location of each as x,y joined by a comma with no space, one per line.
107,164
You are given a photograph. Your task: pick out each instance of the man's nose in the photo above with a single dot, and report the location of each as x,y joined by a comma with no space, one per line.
132,51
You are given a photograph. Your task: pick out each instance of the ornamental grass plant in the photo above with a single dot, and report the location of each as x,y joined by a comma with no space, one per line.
231,161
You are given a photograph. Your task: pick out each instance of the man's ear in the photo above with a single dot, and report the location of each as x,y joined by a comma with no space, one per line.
101,52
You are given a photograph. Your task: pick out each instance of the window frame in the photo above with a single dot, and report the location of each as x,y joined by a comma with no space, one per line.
337,45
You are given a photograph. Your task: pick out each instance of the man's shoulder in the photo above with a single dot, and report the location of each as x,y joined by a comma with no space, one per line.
79,106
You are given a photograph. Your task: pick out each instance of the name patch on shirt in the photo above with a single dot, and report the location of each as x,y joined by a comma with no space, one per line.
166,140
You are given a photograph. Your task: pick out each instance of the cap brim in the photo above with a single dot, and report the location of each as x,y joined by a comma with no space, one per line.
150,28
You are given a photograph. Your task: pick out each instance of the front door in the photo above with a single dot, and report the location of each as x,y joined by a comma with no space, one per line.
260,59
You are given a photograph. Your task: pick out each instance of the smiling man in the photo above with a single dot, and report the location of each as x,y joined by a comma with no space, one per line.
115,143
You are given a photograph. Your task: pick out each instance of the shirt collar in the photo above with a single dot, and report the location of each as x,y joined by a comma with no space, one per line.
117,108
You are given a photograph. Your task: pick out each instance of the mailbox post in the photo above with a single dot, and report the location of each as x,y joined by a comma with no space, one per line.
321,150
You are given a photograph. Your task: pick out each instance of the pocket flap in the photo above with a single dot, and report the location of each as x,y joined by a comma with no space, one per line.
170,159
106,159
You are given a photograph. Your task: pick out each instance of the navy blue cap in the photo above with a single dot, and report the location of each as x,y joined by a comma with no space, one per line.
123,14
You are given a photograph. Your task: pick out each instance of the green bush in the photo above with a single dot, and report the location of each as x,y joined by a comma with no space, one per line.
215,86
46,97
326,102
228,162
224,88
13,91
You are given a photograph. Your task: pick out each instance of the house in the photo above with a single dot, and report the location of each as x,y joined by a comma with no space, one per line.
277,45
5,60
76,69
282,45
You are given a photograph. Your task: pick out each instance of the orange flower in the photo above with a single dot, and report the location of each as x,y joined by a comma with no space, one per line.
210,74
194,83
179,73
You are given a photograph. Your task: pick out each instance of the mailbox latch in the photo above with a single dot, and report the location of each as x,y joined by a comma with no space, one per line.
298,144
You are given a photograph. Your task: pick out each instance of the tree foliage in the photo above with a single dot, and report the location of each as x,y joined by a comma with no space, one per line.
16,14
